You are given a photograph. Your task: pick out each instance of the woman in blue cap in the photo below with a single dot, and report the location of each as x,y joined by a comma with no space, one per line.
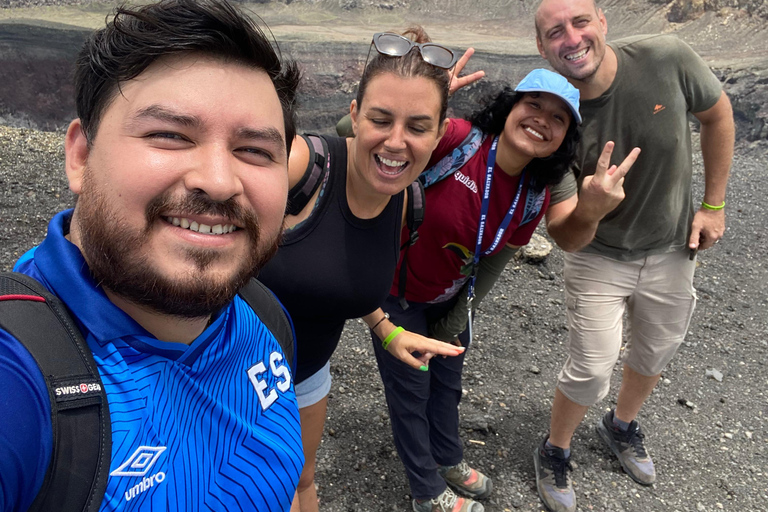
488,186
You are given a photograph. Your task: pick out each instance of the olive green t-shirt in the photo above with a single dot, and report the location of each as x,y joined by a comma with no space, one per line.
659,80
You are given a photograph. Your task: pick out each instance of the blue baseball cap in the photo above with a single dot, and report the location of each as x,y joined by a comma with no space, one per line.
544,80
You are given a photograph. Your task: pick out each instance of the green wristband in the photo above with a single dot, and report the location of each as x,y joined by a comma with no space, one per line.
392,335
710,207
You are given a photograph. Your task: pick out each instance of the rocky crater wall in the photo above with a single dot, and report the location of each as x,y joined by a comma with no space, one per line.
36,56
36,90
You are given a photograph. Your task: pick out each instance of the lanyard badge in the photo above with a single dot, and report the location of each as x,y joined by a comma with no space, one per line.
481,227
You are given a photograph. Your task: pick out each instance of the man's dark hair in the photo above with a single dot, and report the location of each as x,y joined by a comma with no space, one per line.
135,38
543,171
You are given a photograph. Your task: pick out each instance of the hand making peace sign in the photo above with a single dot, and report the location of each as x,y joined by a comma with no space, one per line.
458,82
604,190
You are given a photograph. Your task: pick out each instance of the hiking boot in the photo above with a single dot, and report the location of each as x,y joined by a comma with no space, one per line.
628,447
447,502
552,479
466,481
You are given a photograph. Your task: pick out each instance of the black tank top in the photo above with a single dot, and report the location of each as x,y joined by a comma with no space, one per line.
334,266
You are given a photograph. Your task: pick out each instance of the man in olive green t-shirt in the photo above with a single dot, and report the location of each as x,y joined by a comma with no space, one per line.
635,92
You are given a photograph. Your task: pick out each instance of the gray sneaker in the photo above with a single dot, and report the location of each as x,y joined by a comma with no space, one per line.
629,448
467,481
552,479
447,502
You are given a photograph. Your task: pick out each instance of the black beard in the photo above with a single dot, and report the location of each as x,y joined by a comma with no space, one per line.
113,253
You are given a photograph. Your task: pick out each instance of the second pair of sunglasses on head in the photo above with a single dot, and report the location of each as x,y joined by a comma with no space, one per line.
395,45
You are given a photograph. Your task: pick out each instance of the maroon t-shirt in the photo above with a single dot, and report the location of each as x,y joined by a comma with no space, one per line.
440,262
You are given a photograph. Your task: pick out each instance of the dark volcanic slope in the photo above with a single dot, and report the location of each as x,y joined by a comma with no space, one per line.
37,63
328,38
32,186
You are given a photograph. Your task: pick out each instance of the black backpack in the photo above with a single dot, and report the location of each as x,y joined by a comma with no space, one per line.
318,168
77,474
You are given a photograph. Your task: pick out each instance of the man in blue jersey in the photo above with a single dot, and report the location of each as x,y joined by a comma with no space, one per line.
179,161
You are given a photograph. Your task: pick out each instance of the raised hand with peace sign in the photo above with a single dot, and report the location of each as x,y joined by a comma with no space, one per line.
457,82
604,190
572,223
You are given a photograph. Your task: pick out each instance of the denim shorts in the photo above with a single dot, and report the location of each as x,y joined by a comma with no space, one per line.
314,388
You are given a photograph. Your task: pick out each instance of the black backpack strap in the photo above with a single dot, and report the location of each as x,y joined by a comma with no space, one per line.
269,310
415,211
414,216
77,474
317,168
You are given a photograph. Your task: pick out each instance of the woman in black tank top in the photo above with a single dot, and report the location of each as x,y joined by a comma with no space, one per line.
340,251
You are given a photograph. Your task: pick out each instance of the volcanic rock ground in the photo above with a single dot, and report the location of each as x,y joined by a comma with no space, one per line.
710,454
709,439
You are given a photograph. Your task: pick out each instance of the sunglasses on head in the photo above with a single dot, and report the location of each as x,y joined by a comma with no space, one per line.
395,45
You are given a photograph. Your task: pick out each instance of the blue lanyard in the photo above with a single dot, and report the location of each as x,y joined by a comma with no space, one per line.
484,214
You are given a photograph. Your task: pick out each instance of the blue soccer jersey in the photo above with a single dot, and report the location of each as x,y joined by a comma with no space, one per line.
212,425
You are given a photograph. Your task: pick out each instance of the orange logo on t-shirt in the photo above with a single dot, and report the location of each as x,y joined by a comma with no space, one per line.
658,108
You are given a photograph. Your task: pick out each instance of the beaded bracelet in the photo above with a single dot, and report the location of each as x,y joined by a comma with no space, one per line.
392,335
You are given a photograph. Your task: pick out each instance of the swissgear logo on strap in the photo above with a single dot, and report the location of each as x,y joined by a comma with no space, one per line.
75,390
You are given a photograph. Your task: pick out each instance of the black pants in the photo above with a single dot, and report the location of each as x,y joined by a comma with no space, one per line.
423,406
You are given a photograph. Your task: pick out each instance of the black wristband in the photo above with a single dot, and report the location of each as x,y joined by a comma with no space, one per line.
385,317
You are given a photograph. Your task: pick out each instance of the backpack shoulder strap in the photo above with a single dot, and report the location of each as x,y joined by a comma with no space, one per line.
272,313
534,201
414,212
454,160
317,168
414,216
77,474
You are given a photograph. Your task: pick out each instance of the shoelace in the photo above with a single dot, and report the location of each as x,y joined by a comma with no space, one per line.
559,468
446,501
464,469
635,439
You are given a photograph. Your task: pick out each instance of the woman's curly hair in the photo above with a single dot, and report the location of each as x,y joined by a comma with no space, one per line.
543,171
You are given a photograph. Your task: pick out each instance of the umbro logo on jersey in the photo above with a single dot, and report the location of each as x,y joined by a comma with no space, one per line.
139,464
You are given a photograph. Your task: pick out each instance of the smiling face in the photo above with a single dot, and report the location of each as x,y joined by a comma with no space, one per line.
536,126
181,199
571,36
396,129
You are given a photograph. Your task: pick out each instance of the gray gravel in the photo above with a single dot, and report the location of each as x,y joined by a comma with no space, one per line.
709,456
709,439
